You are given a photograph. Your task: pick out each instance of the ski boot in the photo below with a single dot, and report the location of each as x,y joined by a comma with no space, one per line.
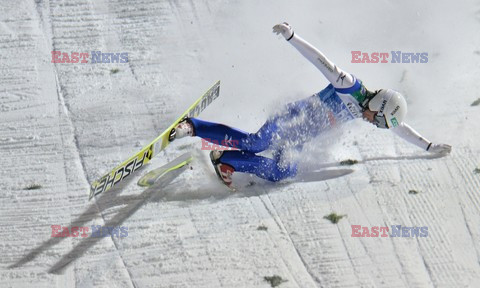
184,128
224,171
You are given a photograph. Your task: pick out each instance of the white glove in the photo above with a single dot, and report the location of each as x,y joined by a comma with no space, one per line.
439,148
283,29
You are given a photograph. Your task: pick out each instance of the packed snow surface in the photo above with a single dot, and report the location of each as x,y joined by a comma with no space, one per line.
63,125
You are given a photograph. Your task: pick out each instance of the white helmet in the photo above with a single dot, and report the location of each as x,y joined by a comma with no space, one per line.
391,107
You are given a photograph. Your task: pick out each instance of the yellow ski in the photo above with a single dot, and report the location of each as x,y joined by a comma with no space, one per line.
134,163
151,177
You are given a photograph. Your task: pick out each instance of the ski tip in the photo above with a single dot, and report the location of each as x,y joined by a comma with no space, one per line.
146,183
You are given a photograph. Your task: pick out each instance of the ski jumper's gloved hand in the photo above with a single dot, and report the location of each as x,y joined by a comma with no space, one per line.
284,29
439,148
409,134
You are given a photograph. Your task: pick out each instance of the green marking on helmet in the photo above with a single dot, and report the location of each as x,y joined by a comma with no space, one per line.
394,121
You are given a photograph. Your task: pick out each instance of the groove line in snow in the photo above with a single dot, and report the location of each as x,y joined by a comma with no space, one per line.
69,121
354,267
281,226
272,240
365,248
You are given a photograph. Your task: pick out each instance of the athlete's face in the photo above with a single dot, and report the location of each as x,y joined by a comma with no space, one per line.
369,115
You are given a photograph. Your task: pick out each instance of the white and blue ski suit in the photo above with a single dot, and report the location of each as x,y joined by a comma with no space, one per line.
298,122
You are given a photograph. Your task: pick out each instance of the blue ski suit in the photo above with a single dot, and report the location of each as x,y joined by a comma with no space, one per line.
297,123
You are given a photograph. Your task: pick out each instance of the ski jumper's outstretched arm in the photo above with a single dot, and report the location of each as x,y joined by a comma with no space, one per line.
338,77
409,134
342,80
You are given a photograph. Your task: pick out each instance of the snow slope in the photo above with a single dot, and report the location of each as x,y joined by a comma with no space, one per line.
64,125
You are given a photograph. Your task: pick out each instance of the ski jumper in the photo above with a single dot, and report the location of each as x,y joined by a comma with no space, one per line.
297,122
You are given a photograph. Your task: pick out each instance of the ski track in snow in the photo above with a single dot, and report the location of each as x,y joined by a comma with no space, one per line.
64,125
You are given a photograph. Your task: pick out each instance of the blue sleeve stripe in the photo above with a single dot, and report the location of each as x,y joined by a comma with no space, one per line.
357,86
327,92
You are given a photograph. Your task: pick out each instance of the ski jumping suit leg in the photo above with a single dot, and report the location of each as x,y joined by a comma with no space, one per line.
245,160
296,123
